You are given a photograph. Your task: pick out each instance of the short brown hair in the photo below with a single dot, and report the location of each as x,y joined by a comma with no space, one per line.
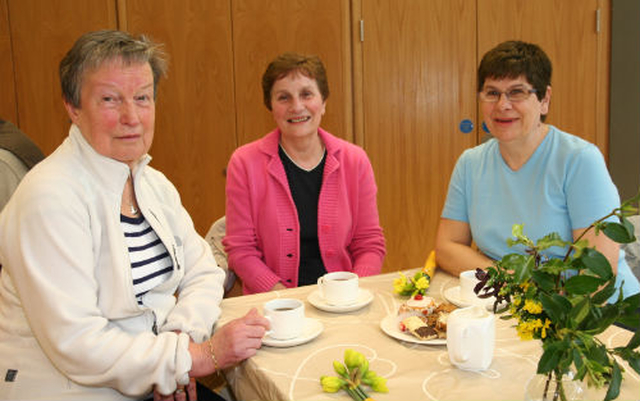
309,66
513,59
95,48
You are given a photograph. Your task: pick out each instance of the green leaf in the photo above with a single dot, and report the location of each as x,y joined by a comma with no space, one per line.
614,386
545,281
635,341
620,233
556,306
633,359
523,271
604,294
597,263
551,356
551,240
580,311
583,284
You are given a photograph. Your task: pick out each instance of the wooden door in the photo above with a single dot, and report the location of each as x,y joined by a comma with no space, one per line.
195,111
8,104
578,46
418,70
264,29
42,32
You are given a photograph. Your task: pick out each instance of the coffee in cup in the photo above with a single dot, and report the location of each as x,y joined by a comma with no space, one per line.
339,288
286,318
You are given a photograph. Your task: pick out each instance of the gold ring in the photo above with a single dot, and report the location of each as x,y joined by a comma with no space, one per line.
179,391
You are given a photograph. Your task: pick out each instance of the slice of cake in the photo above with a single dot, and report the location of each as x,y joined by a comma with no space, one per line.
416,326
418,304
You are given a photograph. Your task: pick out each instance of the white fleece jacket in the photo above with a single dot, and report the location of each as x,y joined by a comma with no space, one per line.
70,326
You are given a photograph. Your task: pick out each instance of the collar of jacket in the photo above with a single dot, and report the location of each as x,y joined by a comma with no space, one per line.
111,173
269,145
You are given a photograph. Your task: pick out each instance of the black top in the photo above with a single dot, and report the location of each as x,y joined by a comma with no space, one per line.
305,190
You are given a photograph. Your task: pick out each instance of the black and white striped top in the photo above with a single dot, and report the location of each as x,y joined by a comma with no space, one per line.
151,264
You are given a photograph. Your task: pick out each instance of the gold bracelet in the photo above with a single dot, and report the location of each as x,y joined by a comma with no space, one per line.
213,356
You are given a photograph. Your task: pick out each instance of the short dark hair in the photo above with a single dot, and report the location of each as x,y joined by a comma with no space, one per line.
93,49
310,66
513,59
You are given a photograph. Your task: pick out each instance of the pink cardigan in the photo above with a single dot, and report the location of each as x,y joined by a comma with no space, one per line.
263,233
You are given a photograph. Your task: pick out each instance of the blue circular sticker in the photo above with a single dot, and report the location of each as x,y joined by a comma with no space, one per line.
466,126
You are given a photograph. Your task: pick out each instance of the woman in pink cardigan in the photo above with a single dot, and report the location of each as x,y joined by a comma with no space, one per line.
300,201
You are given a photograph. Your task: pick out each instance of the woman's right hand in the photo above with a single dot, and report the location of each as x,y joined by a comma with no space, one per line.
232,343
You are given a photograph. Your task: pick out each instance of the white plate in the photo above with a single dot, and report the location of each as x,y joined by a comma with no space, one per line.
364,298
391,326
312,329
453,295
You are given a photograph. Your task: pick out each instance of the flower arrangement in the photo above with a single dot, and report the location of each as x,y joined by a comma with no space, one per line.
563,303
354,372
419,283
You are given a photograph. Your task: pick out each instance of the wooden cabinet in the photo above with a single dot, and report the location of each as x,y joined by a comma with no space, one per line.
418,85
575,36
264,29
416,92
212,100
8,105
407,93
195,113
41,33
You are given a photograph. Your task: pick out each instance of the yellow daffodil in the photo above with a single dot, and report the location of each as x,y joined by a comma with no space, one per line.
400,283
422,283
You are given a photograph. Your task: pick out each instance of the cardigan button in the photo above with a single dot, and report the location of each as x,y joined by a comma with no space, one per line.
289,255
288,280
331,253
289,229
326,229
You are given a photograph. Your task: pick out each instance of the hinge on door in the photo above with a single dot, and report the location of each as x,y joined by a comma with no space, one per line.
361,30
598,20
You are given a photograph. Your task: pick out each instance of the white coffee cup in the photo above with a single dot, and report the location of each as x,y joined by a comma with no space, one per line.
471,334
468,281
286,318
339,288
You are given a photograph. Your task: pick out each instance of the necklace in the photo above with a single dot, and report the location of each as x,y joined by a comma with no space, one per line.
133,209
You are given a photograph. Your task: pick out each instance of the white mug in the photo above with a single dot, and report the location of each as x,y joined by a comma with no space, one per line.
468,281
339,288
286,318
471,334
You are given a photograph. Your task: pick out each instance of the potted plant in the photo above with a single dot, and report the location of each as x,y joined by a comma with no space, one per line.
563,303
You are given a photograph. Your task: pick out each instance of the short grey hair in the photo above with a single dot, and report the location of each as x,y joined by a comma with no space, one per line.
93,49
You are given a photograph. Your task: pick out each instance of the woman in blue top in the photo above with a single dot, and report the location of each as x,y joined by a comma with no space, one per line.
529,173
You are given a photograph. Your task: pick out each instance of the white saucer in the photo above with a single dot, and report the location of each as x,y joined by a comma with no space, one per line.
364,298
453,295
391,326
312,329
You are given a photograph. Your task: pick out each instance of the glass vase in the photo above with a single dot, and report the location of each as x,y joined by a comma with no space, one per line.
547,387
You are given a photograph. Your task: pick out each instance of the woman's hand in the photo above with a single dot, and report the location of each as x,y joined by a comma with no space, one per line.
180,394
232,343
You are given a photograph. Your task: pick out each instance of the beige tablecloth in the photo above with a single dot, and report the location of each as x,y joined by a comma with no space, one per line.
413,371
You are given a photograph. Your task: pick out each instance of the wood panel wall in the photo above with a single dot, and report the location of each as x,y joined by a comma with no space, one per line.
401,94
195,112
8,105
41,33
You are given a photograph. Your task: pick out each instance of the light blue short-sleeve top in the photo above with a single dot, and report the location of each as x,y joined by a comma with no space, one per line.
565,185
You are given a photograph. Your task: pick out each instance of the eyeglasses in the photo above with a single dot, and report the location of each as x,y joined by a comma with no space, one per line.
514,95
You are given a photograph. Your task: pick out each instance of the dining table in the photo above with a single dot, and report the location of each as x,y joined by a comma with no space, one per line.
414,370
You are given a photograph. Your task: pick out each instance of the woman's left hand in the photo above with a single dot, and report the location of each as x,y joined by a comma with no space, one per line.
180,394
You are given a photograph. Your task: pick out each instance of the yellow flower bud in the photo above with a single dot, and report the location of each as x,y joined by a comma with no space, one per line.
331,384
339,368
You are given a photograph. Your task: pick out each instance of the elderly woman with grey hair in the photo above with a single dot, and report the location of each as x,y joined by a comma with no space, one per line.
107,292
